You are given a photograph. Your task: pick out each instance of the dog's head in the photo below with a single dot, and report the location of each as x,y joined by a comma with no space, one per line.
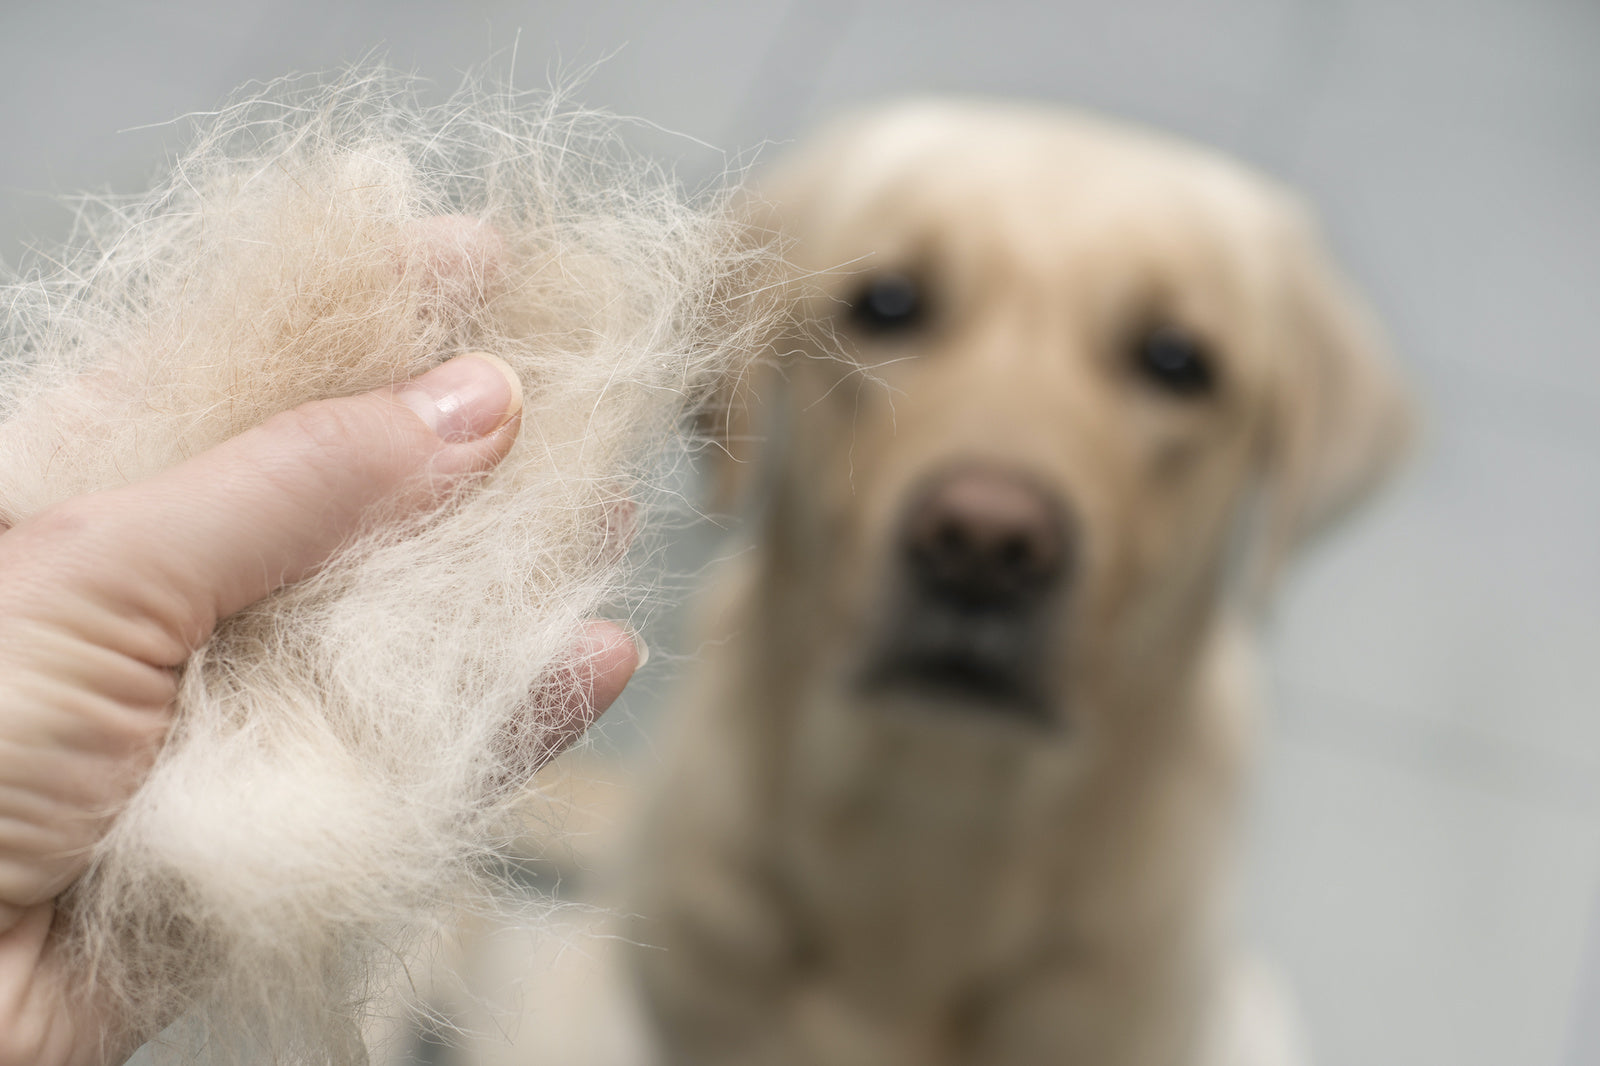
1053,385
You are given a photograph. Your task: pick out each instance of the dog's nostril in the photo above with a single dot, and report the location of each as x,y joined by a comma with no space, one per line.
1016,552
985,536
950,539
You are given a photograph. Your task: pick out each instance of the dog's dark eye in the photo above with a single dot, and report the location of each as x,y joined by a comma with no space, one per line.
1175,361
887,303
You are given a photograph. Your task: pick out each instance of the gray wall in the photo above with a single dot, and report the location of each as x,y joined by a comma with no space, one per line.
1425,849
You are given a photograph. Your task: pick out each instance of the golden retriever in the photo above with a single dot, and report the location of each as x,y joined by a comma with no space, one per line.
958,783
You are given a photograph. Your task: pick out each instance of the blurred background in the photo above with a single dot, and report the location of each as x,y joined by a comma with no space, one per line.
1424,852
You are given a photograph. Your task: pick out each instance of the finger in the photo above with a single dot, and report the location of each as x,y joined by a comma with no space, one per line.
35,1027
212,535
602,662
608,657
44,1019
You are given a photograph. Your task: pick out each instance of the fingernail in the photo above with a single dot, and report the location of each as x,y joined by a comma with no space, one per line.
640,648
465,399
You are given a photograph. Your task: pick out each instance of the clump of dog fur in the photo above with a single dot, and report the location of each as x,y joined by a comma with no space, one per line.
349,751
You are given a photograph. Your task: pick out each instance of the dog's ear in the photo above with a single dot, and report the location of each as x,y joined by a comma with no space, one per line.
1339,417
735,417
733,422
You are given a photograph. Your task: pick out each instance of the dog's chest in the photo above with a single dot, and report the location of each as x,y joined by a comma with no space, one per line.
921,864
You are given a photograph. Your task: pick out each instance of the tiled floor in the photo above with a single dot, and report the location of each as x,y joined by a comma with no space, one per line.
1426,848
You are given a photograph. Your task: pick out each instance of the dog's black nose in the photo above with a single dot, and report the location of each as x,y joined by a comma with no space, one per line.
986,537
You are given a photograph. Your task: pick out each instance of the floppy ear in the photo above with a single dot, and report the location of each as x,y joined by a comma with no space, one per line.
736,415
746,418
734,421
1340,419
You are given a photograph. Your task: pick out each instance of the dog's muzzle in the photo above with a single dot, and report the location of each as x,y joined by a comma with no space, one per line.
985,556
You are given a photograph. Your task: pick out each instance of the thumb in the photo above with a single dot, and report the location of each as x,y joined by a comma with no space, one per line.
212,535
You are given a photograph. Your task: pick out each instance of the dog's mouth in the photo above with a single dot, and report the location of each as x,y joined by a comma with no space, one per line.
964,661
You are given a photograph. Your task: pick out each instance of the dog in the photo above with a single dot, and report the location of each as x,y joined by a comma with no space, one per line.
958,780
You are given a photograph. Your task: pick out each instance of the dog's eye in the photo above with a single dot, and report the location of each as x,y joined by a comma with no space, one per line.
887,303
1175,361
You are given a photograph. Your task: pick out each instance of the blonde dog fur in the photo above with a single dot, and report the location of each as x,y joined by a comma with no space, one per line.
348,753
844,874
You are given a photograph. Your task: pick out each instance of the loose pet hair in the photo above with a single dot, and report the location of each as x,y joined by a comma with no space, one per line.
347,752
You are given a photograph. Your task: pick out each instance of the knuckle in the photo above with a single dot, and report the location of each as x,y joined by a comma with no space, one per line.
67,521
135,734
339,442
78,528
326,429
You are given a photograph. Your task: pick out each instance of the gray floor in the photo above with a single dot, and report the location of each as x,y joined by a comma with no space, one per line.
1426,850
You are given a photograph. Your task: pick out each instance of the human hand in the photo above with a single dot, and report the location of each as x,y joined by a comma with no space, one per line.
103,596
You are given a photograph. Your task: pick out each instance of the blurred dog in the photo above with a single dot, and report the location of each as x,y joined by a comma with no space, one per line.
959,781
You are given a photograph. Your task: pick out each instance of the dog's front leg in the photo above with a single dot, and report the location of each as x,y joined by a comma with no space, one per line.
717,950
1129,1011
828,1030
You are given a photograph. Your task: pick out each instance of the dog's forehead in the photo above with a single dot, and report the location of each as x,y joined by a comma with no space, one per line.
1017,171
